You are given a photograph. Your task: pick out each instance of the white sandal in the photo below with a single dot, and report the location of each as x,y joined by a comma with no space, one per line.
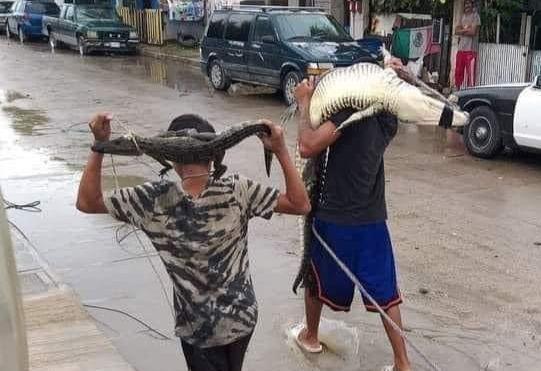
296,331
388,368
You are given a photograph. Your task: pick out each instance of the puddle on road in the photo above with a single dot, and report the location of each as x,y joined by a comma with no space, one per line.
431,139
26,121
340,345
175,75
15,161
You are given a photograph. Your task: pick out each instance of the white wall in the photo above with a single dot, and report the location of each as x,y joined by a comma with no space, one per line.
359,21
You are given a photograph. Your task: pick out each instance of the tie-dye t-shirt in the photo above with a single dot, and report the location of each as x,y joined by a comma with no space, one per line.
203,245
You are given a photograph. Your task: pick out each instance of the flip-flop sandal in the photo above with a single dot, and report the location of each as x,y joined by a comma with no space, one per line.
296,332
388,368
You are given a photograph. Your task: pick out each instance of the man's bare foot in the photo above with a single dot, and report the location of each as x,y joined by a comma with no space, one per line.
395,368
306,341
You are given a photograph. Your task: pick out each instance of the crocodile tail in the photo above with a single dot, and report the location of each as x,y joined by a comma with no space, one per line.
304,273
288,114
308,169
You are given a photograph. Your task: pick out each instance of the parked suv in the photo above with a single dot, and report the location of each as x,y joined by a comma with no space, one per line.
26,16
275,46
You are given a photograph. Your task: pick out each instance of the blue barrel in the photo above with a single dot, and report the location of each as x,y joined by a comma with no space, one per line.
371,44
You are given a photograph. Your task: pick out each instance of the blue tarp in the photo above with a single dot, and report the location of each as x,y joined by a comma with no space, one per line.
147,4
371,44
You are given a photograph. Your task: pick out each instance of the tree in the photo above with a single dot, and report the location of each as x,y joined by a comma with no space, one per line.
489,10
438,8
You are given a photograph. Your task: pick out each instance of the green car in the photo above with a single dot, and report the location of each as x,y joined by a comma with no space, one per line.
90,28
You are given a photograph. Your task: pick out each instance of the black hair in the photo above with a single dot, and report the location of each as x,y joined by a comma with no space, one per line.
190,121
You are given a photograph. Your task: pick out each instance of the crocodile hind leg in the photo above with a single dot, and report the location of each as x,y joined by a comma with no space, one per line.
268,161
360,115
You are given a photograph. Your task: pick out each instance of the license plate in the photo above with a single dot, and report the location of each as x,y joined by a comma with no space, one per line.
115,45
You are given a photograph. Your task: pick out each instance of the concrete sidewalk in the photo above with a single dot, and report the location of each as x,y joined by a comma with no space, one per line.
61,335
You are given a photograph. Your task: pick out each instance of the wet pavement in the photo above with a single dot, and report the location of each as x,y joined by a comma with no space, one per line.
467,232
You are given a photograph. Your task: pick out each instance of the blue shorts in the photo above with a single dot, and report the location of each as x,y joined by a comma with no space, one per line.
367,251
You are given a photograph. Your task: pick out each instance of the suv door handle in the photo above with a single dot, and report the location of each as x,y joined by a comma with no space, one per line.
256,46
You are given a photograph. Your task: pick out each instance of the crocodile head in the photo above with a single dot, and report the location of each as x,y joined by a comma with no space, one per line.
124,145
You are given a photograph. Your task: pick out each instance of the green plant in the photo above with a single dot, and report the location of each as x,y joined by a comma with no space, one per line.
435,7
489,10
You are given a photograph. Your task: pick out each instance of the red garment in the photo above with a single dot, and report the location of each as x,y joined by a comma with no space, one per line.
465,61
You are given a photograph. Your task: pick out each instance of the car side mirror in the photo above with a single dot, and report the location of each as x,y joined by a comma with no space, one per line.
537,82
267,39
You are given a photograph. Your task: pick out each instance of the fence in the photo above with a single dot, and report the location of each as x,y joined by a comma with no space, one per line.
502,63
147,22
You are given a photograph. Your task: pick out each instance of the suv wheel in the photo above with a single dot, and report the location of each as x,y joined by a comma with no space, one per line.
53,43
482,136
289,82
81,46
217,75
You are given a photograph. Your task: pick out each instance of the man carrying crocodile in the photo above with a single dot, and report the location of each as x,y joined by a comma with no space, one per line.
199,226
350,215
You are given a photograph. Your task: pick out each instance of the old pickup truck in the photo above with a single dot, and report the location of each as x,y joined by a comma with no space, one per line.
89,28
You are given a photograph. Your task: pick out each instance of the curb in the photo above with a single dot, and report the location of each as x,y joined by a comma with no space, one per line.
159,55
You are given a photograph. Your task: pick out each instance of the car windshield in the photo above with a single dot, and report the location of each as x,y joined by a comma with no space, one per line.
310,27
5,6
43,8
94,13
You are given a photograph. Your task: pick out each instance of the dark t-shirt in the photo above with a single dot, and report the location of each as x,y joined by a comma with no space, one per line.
353,179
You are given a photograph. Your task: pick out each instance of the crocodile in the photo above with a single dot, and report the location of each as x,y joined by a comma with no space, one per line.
186,146
371,89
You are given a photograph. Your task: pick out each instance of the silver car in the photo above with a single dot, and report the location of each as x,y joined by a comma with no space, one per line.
5,9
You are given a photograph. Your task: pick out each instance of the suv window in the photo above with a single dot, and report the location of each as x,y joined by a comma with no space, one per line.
5,6
263,27
42,8
310,27
17,7
217,26
238,27
69,13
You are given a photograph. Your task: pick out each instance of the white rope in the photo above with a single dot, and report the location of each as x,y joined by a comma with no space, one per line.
371,299
130,134
146,252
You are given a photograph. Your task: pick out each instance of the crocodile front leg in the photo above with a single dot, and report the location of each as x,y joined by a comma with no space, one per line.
166,165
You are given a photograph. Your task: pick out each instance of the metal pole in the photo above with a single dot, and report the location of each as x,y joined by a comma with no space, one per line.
498,26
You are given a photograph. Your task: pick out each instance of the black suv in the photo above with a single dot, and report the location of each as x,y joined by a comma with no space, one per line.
275,46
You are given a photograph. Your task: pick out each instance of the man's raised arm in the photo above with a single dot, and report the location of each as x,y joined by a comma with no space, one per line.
90,197
312,141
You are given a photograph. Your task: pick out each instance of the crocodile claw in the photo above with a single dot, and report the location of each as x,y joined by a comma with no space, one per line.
268,161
